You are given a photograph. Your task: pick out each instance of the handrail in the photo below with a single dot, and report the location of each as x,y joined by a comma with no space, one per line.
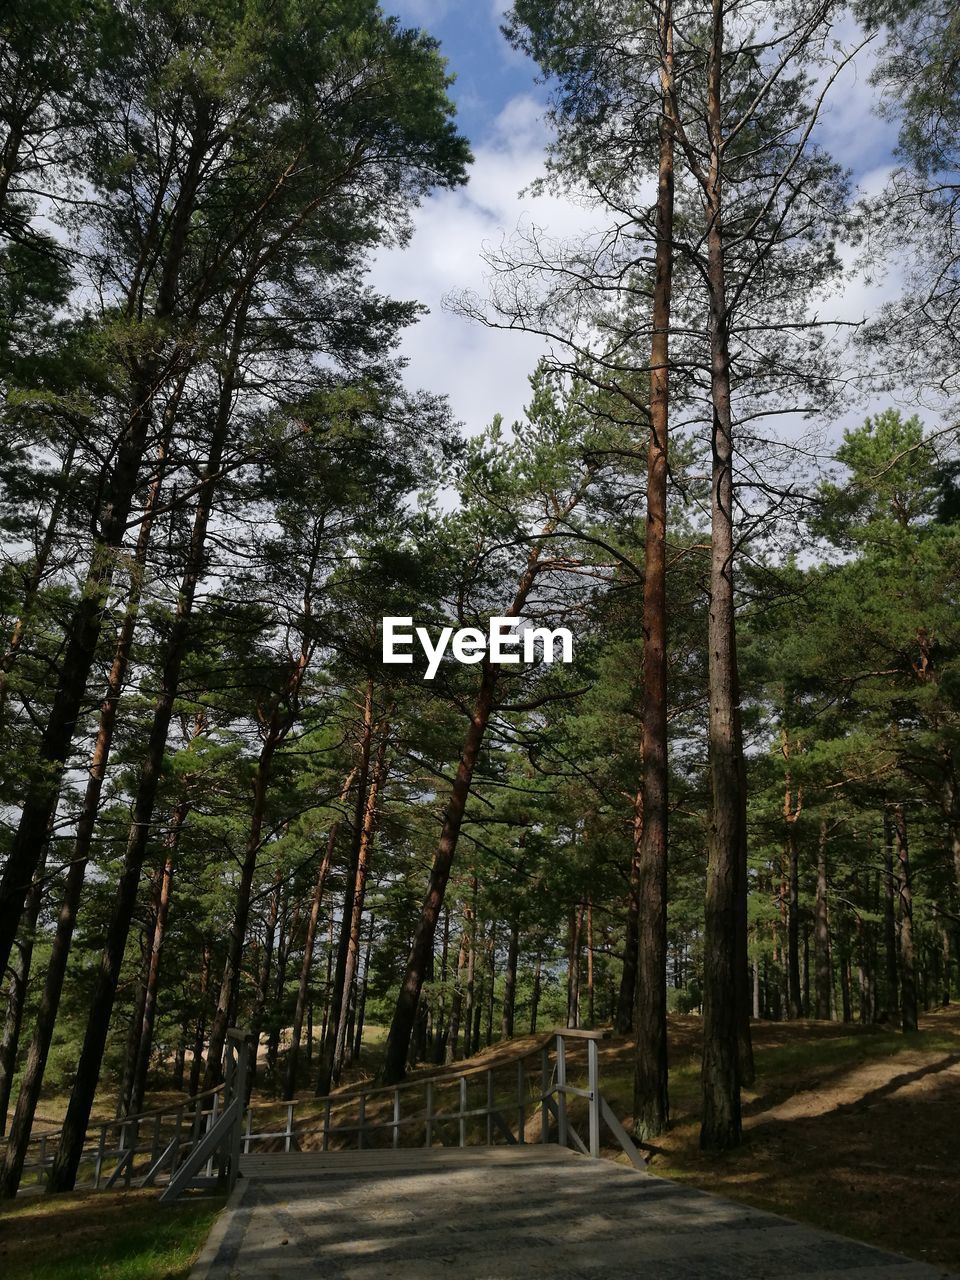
517,1055
550,1098
170,1109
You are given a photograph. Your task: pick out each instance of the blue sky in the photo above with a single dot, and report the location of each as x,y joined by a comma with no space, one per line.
500,108
489,73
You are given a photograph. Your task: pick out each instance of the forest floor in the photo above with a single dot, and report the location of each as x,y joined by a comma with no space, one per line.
102,1235
851,1129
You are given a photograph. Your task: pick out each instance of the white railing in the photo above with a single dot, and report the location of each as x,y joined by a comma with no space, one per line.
444,1109
150,1147
201,1141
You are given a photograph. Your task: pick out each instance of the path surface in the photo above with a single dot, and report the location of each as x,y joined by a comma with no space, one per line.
504,1214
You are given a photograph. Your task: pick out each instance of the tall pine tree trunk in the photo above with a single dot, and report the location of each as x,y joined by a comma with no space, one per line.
908,981
821,936
32,1080
510,981
17,998
64,1170
720,1075
290,1081
627,994
651,1103
83,629
359,895
892,972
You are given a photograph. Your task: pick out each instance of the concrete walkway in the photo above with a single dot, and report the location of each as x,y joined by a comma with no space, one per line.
506,1214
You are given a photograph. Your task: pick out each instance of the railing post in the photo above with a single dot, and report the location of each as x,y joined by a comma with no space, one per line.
562,1136
463,1108
363,1120
288,1131
544,1094
98,1166
428,1142
396,1118
249,1130
326,1125
593,1084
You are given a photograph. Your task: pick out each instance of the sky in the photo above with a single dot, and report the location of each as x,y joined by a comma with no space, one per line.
500,109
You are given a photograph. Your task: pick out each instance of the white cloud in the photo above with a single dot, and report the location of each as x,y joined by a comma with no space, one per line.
483,371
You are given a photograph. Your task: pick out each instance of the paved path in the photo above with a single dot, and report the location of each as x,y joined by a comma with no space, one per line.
503,1214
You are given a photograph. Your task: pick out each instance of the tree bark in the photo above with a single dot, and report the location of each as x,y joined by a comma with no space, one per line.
651,1102
456,1005
84,627
32,1080
892,994
573,966
199,1035
364,854
535,993
720,1075
821,936
627,995
908,981
510,981
290,1082
16,1002
64,1170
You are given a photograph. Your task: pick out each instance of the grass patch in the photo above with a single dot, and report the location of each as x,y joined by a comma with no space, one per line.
102,1236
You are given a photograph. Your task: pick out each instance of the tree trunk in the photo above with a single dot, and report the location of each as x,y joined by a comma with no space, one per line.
590,1001
491,980
441,1025
627,995
263,974
821,936
32,1080
290,1082
456,1005
196,1063
241,912
19,979
421,950
510,981
573,966
86,621
892,994
145,1046
720,1127
64,1169
364,854
908,982
340,992
535,993
651,1102
34,578
362,1000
